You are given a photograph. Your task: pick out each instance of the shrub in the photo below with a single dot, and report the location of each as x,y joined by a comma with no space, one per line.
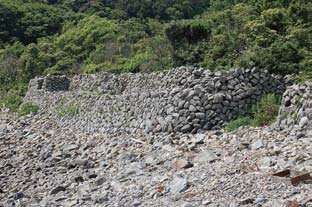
266,110
302,77
28,108
263,113
12,99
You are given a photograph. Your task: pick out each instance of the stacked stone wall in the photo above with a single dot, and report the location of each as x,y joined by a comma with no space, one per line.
49,83
184,99
295,114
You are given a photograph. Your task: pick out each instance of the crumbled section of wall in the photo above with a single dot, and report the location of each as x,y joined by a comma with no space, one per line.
295,114
184,99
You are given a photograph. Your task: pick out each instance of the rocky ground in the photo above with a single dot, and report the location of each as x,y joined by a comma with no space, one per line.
42,164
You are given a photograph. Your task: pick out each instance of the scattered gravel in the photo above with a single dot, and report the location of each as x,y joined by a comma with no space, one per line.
42,164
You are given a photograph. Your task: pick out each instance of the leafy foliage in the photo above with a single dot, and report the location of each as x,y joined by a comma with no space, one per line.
11,99
267,36
27,22
82,36
160,9
263,113
28,108
302,77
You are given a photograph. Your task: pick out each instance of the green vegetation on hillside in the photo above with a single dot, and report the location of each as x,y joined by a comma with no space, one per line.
83,36
28,108
261,114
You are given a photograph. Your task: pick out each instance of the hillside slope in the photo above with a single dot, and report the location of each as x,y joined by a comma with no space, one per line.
46,163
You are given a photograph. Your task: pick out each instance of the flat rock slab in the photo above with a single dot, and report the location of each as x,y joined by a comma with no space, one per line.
205,157
178,185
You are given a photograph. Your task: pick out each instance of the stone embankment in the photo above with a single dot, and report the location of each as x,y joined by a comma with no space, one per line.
184,99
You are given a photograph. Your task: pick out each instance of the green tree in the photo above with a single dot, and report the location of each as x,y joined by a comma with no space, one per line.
30,64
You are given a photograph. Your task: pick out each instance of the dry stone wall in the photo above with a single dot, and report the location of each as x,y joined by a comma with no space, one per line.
295,114
184,99
49,83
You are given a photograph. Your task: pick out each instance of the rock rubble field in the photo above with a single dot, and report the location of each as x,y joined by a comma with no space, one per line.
46,163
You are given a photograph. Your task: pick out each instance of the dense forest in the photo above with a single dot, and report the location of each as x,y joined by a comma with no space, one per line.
39,37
